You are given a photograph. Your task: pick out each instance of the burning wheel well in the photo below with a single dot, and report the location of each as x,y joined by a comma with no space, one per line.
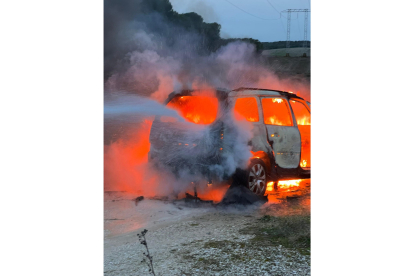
264,157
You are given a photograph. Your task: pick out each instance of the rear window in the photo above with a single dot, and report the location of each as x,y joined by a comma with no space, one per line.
196,109
246,108
276,112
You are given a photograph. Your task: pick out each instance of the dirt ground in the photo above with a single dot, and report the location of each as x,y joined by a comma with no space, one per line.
206,239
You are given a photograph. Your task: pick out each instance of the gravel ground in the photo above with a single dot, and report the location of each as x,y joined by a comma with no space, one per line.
204,240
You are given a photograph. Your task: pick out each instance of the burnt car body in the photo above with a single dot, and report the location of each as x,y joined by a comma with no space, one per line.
279,148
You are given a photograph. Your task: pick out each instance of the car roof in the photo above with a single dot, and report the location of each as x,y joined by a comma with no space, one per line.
223,93
244,91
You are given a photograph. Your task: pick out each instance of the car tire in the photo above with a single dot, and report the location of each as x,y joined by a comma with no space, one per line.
242,177
257,177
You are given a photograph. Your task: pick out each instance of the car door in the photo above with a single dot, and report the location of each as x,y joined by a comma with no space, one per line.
301,112
247,108
281,132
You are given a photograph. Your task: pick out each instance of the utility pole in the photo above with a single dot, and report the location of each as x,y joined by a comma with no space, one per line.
289,12
288,29
305,28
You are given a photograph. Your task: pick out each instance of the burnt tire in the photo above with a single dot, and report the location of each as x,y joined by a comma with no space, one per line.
254,178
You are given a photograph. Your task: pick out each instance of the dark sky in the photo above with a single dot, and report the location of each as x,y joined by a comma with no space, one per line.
259,19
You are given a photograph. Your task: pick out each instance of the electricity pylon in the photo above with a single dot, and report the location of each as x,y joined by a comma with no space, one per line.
305,37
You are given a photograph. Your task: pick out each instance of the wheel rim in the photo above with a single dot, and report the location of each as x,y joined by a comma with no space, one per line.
257,179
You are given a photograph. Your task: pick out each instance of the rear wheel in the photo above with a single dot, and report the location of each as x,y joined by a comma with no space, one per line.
257,177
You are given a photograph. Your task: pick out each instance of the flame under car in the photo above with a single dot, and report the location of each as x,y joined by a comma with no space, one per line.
195,143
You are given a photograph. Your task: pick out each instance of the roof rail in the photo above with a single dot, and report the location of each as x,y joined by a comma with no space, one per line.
285,93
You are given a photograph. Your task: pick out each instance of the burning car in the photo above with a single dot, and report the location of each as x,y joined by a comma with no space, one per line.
259,135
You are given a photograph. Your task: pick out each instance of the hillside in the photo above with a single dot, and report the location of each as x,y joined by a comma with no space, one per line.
293,52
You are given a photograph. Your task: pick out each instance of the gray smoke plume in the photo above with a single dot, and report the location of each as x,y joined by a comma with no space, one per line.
152,50
135,173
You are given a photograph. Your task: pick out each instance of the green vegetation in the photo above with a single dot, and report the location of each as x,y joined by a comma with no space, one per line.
288,231
293,52
282,44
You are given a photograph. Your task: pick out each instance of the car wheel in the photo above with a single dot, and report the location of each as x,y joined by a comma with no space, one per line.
257,177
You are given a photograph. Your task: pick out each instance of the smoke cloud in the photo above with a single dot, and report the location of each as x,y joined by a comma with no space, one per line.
126,160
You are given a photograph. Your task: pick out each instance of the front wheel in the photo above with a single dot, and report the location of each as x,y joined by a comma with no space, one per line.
257,177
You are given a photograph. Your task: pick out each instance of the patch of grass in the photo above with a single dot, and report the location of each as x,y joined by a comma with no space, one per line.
210,262
225,245
288,231
265,218
216,244
194,224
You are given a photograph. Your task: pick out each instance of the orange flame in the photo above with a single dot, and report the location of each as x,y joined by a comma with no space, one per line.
246,108
125,163
283,184
277,100
196,109
303,121
274,121
303,163
270,186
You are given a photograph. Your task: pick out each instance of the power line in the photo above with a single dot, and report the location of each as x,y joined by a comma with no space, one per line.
274,7
249,12
280,7
281,21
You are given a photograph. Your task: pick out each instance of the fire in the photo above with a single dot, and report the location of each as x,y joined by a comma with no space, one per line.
274,121
301,113
270,186
125,164
193,118
210,192
277,100
303,163
283,184
246,108
303,121
197,109
276,112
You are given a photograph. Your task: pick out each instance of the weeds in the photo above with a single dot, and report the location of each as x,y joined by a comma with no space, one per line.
147,256
289,231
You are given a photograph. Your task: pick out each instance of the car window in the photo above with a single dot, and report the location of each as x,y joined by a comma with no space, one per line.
276,112
196,109
302,114
246,108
